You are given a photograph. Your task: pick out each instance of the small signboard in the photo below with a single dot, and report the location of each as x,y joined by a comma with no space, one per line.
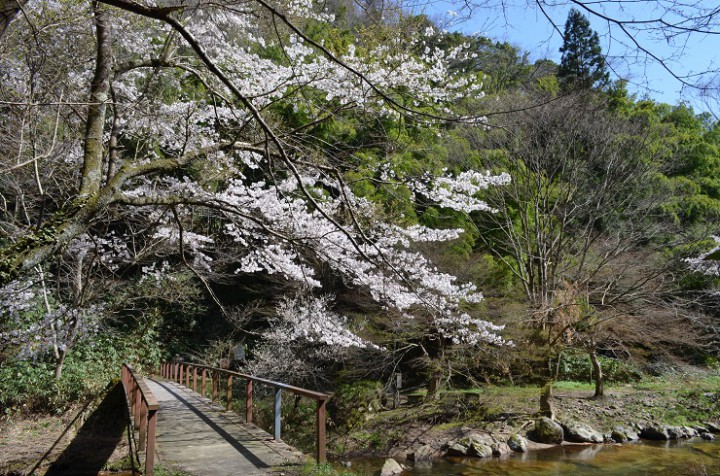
238,353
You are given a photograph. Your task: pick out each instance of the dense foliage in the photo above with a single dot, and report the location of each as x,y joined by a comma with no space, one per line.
326,190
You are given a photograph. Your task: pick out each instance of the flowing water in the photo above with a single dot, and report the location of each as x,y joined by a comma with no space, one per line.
692,457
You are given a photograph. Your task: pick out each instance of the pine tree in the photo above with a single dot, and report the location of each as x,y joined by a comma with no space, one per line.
582,65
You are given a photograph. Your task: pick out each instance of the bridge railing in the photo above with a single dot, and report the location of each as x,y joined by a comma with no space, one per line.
143,409
180,372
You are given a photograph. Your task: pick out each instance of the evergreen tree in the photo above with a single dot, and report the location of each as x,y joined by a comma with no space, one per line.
582,65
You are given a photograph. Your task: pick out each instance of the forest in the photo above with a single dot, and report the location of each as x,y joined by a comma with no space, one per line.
347,193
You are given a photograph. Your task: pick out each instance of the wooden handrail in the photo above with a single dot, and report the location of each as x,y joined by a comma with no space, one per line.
180,372
143,409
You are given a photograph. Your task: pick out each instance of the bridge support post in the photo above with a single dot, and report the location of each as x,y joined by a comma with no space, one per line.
203,383
278,412
195,379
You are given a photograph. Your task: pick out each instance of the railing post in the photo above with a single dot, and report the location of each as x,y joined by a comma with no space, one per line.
131,396
215,382
248,401
138,404
150,451
278,411
143,427
187,376
195,379
228,399
182,374
320,455
203,384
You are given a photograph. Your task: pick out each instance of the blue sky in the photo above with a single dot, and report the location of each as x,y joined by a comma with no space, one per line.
526,27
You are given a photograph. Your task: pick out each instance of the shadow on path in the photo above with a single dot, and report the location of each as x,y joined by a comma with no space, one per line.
97,439
239,447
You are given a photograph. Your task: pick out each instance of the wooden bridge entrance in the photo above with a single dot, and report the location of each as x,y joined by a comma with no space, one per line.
204,439
184,429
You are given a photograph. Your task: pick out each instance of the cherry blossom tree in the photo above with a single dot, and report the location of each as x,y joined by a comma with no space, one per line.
171,129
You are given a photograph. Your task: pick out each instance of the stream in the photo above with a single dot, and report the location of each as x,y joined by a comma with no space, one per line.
689,457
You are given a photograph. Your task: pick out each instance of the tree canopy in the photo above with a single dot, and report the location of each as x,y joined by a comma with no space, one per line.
313,182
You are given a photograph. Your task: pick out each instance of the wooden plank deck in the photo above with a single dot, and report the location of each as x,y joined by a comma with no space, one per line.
200,437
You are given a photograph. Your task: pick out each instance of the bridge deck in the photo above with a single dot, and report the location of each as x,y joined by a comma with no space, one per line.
202,438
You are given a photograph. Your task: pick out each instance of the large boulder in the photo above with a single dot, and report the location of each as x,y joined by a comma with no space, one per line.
457,449
700,429
517,443
472,445
423,453
622,434
391,468
655,432
480,450
548,431
619,436
712,427
581,433
500,448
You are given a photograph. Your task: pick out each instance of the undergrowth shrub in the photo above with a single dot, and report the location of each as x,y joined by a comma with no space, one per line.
577,367
29,386
352,402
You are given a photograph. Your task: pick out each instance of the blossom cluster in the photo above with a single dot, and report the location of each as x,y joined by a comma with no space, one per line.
177,96
310,319
36,331
705,265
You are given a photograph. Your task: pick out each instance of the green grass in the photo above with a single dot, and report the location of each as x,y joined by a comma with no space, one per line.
567,385
170,471
324,469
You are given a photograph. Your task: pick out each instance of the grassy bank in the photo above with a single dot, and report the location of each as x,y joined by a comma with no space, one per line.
504,410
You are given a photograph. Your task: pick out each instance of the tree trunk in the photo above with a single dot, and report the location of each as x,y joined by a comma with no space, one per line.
597,371
546,401
546,393
99,95
59,364
434,385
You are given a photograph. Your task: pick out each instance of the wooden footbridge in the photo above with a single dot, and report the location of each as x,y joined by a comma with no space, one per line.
183,422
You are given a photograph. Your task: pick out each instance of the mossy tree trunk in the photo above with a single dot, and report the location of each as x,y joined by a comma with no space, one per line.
597,375
546,400
434,370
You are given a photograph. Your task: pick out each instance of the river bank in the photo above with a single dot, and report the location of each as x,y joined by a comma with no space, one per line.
430,431
680,458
